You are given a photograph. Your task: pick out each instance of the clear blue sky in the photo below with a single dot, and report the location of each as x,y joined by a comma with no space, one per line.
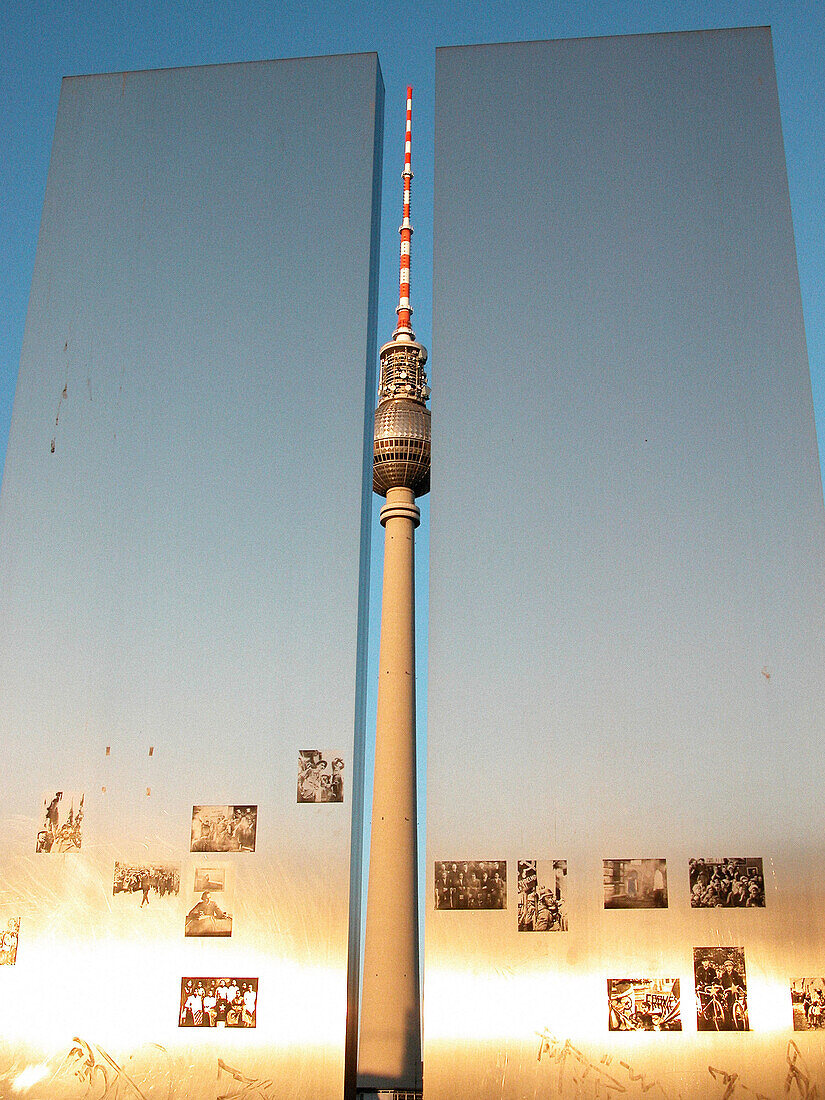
44,40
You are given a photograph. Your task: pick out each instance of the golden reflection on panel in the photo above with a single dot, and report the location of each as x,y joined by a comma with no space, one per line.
95,995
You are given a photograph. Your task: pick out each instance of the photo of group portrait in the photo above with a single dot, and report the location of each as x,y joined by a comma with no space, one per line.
218,1002
471,884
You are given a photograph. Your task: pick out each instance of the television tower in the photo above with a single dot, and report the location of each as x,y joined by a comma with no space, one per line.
389,1061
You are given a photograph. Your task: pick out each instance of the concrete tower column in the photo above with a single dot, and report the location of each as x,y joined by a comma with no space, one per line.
390,1020
389,1057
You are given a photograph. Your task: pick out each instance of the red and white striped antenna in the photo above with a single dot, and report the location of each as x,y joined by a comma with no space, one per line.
404,310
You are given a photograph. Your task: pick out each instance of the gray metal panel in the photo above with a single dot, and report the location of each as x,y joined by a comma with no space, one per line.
627,550
185,561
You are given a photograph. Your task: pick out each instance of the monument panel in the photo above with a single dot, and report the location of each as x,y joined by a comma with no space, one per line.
627,550
184,544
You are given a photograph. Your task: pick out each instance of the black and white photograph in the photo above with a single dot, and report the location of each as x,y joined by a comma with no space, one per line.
209,878
320,776
8,942
61,822
643,1004
224,828
635,884
146,884
471,884
218,1002
721,989
808,1001
207,918
542,903
728,883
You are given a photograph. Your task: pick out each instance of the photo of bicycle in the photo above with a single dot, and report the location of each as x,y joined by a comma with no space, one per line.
721,989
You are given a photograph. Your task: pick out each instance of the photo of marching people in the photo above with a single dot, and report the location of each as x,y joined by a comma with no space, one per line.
320,776
150,880
721,989
635,884
473,884
643,1004
62,822
218,1002
224,828
808,1001
731,882
541,895
8,942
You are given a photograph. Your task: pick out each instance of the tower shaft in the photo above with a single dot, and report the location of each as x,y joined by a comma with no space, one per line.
389,1056
390,1050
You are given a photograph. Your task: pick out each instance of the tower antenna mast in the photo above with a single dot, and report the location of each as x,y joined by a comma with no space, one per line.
390,1033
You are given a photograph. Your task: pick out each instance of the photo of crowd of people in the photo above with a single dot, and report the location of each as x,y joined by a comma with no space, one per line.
473,884
721,989
808,1001
541,895
731,882
206,918
224,828
320,776
643,1004
8,942
635,884
62,828
218,1002
158,880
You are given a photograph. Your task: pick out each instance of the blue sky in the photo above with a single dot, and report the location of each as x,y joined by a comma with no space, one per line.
44,40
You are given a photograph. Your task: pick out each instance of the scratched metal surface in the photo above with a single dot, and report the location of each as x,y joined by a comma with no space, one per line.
627,548
184,571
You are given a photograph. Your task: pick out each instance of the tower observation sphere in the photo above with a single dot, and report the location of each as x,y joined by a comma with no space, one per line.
389,1054
401,443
